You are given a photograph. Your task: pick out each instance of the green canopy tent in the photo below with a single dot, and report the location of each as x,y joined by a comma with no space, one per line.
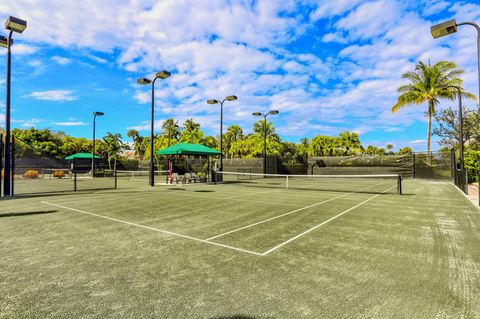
81,162
189,149
80,155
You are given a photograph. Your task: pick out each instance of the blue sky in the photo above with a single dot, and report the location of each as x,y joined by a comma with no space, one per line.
327,66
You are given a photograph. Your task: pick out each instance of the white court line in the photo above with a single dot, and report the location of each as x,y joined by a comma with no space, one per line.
154,229
288,213
323,223
472,202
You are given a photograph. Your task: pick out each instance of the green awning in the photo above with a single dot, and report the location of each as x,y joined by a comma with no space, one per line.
81,155
188,149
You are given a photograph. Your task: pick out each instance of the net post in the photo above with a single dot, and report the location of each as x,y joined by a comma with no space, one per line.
74,180
399,184
12,180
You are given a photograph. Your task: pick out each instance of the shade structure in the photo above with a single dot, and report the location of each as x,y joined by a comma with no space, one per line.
188,149
81,155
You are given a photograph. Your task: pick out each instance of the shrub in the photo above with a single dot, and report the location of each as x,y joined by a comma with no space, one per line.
58,173
31,174
472,164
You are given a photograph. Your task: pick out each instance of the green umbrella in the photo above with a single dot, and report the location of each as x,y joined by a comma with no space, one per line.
81,155
188,149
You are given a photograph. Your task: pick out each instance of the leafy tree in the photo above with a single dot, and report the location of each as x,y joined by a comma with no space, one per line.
472,164
43,140
113,146
290,149
405,151
234,134
191,132
303,146
427,85
138,145
322,145
171,131
373,150
389,148
72,145
449,128
350,143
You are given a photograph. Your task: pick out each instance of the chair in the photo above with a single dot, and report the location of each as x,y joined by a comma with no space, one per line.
198,179
176,178
189,178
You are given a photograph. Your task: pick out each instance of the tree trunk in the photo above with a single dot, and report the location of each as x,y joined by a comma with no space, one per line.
430,107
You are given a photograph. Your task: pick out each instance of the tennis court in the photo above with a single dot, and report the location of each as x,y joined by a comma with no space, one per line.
252,247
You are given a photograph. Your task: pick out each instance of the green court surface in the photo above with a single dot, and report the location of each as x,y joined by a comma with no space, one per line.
242,250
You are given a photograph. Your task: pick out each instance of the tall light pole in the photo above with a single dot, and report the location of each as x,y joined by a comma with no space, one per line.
213,101
13,25
449,27
265,135
144,81
95,114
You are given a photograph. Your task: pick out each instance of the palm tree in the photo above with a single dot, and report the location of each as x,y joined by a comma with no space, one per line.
113,146
428,84
170,130
138,145
234,134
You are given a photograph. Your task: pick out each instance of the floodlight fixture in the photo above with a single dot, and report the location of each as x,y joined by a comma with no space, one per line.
444,28
15,24
162,74
265,115
95,114
3,41
214,101
144,81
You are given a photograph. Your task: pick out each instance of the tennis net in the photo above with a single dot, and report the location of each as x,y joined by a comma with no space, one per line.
371,184
139,175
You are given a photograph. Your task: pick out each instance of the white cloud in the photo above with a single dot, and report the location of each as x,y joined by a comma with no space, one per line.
61,60
243,48
53,95
330,9
334,37
27,123
71,123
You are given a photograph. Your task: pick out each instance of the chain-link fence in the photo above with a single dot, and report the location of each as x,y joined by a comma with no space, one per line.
35,172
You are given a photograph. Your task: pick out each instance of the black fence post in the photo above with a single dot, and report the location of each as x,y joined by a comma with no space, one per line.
453,166
414,167
12,180
1,163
